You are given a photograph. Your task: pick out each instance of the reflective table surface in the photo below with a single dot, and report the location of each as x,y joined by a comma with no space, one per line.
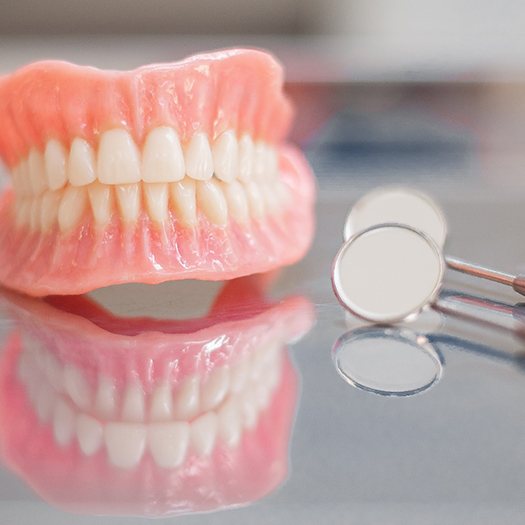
258,416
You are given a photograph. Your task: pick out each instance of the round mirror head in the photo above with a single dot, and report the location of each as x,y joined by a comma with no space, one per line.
387,273
387,361
397,205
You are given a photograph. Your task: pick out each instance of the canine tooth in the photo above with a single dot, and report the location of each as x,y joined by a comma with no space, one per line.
184,201
246,154
168,443
157,200
161,403
236,201
76,386
55,164
186,402
35,164
203,432
225,156
49,209
118,158
34,214
229,423
72,207
259,160
198,157
162,156
63,423
125,443
89,434
105,398
255,199
81,163
212,202
133,404
101,200
128,199
215,388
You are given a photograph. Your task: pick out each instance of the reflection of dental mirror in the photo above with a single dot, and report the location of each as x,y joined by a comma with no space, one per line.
387,273
397,205
387,361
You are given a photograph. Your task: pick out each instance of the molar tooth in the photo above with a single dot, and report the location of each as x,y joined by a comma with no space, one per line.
229,423
49,209
236,201
162,156
125,443
133,404
55,164
255,199
76,386
81,163
272,161
186,402
157,200
203,432
246,154
35,163
225,156
212,202
128,199
168,443
161,403
184,201
198,157
72,207
239,374
118,158
215,389
89,434
63,423
101,199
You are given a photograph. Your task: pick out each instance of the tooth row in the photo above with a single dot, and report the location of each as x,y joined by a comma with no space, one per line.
217,200
165,401
168,442
162,160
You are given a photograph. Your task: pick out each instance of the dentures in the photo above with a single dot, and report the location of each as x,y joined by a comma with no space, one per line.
201,409
166,172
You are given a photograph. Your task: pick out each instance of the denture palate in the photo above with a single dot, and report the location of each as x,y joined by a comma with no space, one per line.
232,176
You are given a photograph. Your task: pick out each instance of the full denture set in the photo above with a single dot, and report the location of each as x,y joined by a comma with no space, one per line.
165,172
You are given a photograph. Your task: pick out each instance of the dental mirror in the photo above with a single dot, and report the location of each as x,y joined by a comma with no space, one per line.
387,273
387,361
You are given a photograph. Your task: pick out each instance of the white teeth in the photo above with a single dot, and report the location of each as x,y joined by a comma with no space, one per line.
45,402
198,157
125,443
55,164
229,423
49,209
259,160
156,195
76,386
239,375
34,216
128,199
184,201
35,164
162,157
248,407
101,200
118,158
53,371
161,403
63,423
255,200
246,154
186,402
225,156
168,443
236,201
215,389
72,207
23,212
203,432
89,434
211,200
105,398
133,404
81,163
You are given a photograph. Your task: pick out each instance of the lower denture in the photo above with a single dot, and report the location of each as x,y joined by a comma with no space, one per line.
210,414
186,177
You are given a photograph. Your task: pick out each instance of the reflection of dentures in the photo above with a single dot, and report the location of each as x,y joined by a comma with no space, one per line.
146,416
173,171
